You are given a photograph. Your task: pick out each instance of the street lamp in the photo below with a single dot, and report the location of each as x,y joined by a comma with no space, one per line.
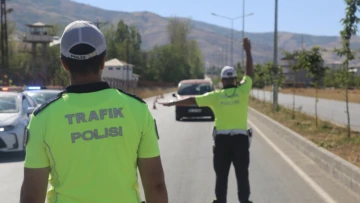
242,36
232,28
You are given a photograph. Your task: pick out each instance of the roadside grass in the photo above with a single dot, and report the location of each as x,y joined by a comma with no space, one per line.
329,136
150,92
334,94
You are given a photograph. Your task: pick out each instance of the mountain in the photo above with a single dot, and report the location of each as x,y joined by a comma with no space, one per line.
213,40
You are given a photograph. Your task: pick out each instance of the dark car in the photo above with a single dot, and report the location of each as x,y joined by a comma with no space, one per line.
188,88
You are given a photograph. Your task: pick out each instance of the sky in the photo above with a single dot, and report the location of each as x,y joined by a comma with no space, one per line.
316,17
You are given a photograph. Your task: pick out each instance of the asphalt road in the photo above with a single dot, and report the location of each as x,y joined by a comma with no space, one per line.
278,173
329,110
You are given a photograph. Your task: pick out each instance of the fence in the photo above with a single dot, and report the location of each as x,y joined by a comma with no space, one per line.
19,79
122,84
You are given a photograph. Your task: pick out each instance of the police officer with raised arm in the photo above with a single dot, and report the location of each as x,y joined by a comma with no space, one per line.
231,134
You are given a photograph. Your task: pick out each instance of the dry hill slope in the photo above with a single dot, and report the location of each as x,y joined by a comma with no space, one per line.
212,39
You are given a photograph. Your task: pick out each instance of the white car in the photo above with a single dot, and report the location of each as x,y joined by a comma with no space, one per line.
15,110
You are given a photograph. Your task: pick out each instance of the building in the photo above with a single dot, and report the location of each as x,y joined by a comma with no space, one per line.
355,71
334,66
299,76
117,69
120,74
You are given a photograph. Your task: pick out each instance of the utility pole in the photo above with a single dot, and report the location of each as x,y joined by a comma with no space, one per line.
302,42
226,50
4,37
232,39
127,66
275,66
243,35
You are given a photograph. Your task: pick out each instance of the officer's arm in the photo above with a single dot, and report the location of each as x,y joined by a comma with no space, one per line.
184,102
249,59
36,165
152,177
149,162
34,185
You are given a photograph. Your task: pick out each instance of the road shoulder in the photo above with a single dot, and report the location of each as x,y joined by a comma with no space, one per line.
322,161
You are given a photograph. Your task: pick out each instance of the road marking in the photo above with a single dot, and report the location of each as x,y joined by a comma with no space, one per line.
326,197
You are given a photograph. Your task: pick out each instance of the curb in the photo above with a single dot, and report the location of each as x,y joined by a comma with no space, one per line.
338,168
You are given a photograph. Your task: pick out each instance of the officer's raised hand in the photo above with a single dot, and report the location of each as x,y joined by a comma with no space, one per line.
246,44
249,62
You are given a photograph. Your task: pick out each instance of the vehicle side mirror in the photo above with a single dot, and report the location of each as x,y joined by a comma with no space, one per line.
174,95
30,110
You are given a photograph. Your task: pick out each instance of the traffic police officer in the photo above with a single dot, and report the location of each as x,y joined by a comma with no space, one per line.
91,138
231,135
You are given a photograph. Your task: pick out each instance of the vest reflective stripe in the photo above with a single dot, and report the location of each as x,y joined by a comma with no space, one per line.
232,132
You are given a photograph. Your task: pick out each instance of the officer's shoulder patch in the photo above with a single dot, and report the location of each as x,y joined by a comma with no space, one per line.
46,104
132,95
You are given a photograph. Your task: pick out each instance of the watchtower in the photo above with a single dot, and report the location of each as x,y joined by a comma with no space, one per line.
39,37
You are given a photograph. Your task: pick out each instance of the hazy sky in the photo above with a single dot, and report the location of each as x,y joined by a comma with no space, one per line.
318,17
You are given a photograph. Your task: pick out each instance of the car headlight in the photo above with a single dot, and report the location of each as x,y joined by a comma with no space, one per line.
7,128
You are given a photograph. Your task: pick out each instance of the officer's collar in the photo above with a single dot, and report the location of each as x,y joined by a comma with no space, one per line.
229,86
87,88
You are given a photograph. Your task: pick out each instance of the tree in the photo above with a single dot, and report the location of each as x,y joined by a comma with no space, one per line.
196,60
265,76
168,64
261,77
292,57
332,78
349,22
312,61
239,69
269,70
214,70
180,59
178,31
124,43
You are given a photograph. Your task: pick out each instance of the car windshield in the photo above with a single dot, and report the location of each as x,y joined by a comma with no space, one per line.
194,89
42,97
9,104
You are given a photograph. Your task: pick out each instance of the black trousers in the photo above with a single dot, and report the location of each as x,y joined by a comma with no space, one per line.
232,149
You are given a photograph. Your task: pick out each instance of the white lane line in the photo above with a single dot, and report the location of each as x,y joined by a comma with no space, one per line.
326,197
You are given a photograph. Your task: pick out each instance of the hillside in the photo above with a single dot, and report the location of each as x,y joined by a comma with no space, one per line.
153,29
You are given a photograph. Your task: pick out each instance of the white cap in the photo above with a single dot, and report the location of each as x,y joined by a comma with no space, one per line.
82,32
228,72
